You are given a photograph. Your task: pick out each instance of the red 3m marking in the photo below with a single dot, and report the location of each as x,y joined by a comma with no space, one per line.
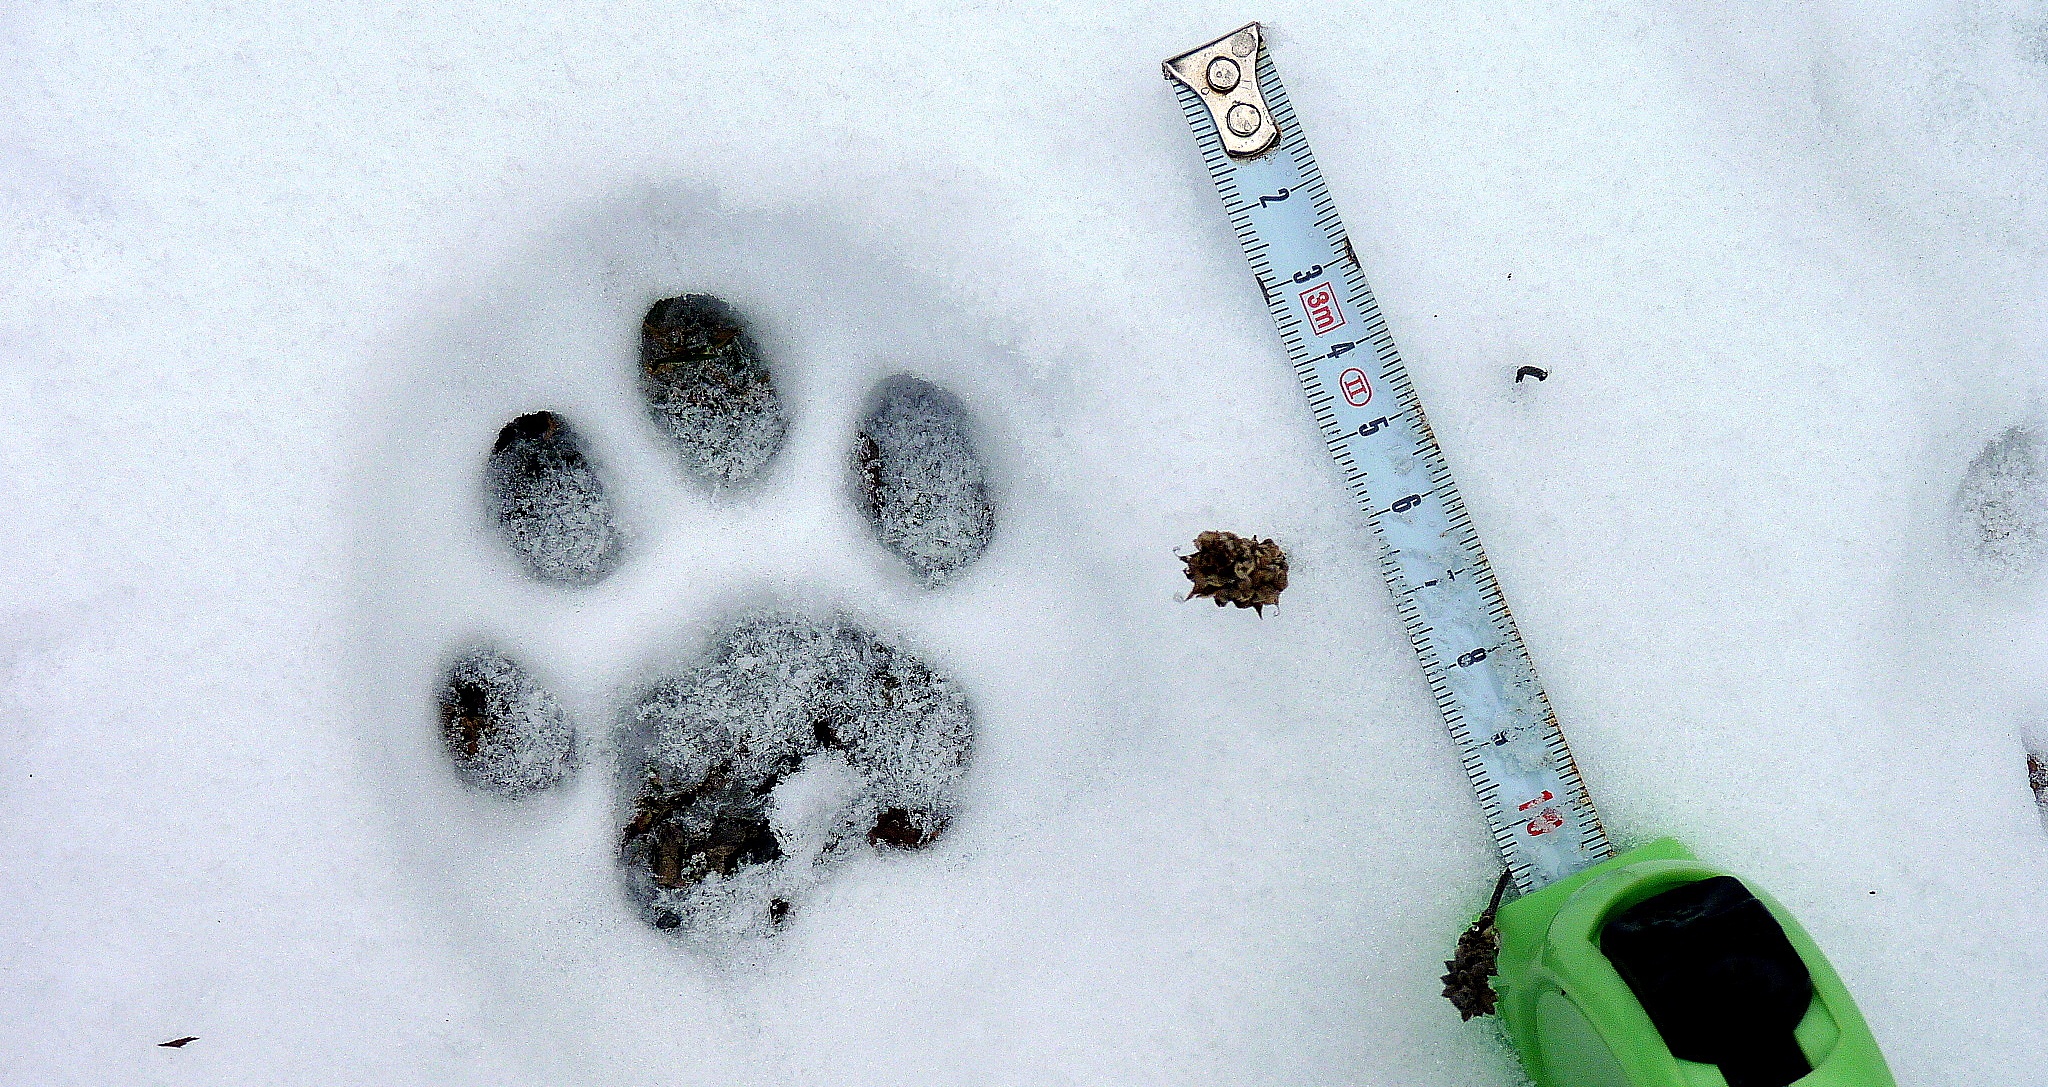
1320,304
1527,804
1357,390
1546,821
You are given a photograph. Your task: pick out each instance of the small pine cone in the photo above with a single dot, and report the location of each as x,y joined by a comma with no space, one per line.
1469,985
1233,569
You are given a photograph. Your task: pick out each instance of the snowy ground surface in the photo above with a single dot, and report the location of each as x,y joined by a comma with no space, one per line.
275,279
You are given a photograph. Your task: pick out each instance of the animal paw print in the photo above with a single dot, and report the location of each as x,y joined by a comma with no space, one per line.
795,742
2002,504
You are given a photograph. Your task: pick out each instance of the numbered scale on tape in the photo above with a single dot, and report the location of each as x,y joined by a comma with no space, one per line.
1374,426
1650,968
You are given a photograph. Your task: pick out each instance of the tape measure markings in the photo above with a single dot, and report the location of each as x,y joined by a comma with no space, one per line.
1445,594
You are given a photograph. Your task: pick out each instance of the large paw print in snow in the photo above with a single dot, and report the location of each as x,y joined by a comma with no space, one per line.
795,740
693,477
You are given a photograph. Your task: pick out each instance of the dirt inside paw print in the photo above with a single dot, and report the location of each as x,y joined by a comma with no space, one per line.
694,833
793,745
504,733
897,827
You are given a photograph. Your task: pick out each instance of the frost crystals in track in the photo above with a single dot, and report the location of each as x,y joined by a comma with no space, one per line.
794,745
708,388
505,734
921,481
550,504
2003,504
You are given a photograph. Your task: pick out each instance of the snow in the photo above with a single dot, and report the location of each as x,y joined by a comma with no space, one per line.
280,278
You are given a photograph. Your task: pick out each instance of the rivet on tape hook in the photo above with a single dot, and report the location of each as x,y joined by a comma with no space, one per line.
1225,74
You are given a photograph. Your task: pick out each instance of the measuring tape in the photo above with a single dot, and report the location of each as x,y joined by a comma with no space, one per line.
1646,969
1471,653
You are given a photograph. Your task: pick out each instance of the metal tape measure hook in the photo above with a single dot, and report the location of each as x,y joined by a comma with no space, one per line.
1225,74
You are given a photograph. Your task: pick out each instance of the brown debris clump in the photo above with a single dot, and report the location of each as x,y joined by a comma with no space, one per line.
1468,985
465,716
694,833
2037,776
897,827
1233,569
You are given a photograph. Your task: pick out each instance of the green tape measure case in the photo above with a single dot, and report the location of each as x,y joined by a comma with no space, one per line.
1656,969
